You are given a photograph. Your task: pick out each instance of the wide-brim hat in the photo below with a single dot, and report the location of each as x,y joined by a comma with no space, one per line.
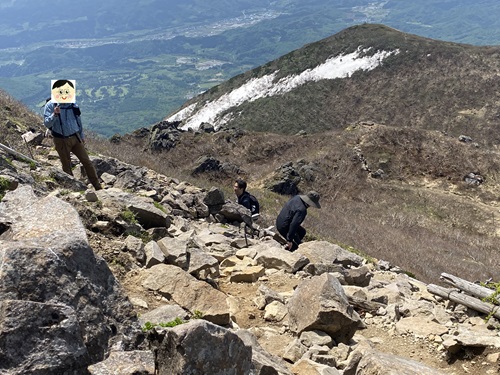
311,198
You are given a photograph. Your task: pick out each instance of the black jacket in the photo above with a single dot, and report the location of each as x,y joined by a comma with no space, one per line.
291,216
244,200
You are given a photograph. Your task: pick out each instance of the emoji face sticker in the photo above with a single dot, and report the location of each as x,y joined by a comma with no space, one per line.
63,91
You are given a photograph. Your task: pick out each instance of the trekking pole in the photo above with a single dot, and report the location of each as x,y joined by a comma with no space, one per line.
27,146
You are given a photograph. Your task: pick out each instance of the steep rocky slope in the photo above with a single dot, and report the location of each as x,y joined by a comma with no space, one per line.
252,284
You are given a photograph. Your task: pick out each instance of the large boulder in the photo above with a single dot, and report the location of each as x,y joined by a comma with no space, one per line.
320,303
199,347
56,287
146,213
323,252
191,294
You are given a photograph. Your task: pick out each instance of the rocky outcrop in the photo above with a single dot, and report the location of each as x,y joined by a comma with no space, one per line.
61,305
186,261
320,303
200,347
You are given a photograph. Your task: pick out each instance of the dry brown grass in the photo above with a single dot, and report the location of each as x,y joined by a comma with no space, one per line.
16,119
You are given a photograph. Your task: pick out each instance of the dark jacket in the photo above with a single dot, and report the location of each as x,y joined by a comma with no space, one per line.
291,216
245,200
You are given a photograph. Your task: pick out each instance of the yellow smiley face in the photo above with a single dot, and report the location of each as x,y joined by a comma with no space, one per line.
63,91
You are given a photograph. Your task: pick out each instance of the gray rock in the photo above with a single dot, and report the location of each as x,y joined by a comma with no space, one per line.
202,264
145,212
135,362
280,259
135,247
199,347
154,255
234,212
40,338
163,314
285,180
67,181
323,252
264,362
188,292
129,179
46,259
321,304
175,251
377,363
360,276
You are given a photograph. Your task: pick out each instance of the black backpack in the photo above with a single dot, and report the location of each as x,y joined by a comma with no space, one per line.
255,208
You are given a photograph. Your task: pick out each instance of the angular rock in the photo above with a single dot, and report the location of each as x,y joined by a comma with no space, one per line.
323,252
264,362
275,312
214,199
201,264
135,362
46,258
163,314
377,363
247,274
40,338
145,212
67,181
234,212
271,257
135,247
154,255
175,251
321,304
475,337
359,276
200,347
310,338
188,292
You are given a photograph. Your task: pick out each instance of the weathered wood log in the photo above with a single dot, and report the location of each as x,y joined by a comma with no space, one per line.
455,295
15,153
468,287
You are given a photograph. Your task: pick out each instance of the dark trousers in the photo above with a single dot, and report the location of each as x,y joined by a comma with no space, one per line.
297,239
66,146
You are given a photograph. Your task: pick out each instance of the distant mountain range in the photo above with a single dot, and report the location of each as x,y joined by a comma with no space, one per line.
134,63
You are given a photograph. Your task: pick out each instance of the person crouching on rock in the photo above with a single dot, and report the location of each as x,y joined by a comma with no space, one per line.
291,217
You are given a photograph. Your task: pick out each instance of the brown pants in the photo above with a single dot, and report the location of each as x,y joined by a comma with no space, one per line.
64,147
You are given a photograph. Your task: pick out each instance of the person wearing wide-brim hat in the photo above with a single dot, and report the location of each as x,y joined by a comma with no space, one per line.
291,217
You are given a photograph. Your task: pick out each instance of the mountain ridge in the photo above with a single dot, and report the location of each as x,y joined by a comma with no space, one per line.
461,76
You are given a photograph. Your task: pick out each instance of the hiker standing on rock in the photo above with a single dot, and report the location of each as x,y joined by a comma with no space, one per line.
291,217
244,197
62,117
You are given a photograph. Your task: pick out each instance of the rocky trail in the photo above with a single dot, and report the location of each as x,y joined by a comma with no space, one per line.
149,249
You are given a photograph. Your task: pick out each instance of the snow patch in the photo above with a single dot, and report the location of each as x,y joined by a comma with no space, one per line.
341,66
